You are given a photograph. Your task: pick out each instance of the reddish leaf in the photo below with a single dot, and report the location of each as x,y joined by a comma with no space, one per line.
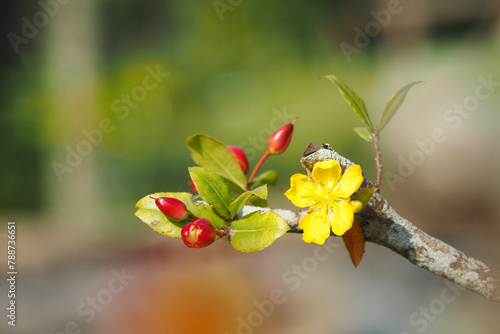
354,242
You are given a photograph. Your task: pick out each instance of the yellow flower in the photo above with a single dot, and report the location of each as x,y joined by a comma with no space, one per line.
328,194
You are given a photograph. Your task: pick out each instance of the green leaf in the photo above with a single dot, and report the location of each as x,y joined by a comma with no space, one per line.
356,103
364,195
149,213
364,133
212,189
233,188
256,201
393,105
238,203
256,231
211,154
267,177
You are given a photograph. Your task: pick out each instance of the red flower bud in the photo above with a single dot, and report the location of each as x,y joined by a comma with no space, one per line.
191,184
279,140
240,156
173,208
198,234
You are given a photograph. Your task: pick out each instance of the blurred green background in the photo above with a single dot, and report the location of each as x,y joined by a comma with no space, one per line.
236,71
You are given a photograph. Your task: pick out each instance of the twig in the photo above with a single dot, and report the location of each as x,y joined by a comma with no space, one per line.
382,225
257,166
378,163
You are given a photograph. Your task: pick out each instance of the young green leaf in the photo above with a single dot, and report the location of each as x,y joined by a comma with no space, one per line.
256,231
212,189
257,201
356,103
211,154
364,133
393,105
365,195
238,203
149,213
233,188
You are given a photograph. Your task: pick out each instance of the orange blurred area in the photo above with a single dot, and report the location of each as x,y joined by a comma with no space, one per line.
188,294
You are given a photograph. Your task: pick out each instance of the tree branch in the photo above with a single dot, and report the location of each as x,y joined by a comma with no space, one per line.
382,225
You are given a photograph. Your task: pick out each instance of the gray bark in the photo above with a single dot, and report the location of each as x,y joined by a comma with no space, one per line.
382,225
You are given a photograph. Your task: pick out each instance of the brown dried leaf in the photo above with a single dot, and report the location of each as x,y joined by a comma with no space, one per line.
310,149
354,242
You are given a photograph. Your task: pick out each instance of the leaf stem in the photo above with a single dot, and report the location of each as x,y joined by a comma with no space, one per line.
220,233
256,168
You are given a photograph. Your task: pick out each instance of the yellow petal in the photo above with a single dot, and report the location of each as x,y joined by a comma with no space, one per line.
327,172
350,182
302,191
316,227
342,218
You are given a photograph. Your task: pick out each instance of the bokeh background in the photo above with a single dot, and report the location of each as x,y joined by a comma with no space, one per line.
236,70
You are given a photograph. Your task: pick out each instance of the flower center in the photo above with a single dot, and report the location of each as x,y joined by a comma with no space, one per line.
327,197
